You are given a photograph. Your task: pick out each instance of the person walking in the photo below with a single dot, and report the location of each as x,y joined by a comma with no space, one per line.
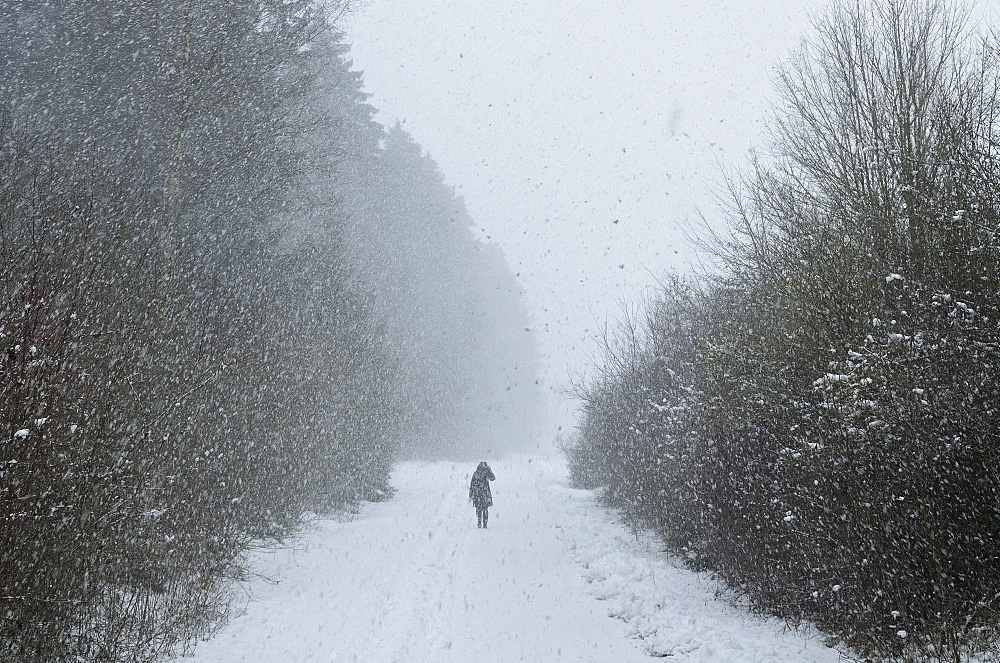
479,493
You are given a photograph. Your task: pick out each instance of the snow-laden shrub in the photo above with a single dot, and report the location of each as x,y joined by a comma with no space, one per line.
180,377
818,427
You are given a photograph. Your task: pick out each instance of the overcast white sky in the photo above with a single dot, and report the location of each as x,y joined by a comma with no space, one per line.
582,134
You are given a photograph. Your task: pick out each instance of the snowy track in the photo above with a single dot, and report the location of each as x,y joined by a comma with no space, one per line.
414,581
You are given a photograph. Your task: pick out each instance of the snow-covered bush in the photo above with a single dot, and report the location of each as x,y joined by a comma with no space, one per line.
184,374
828,449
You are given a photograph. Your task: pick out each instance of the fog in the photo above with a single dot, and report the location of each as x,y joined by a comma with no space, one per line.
274,274
585,137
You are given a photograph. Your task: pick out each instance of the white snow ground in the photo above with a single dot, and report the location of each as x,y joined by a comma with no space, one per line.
554,578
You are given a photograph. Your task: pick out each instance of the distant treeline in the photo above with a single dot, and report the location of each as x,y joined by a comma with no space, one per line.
816,421
454,312
192,353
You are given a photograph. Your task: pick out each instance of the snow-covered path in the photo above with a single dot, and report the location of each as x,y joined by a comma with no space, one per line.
412,580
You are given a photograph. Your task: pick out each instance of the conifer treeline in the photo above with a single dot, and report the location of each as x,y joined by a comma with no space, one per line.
817,422
192,357
458,311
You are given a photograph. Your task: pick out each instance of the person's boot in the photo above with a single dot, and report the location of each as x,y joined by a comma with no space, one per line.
479,521
486,518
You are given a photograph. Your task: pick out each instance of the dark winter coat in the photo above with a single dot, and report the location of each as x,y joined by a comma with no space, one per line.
479,487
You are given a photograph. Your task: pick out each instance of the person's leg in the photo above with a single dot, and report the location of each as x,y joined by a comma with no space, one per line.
479,517
486,517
